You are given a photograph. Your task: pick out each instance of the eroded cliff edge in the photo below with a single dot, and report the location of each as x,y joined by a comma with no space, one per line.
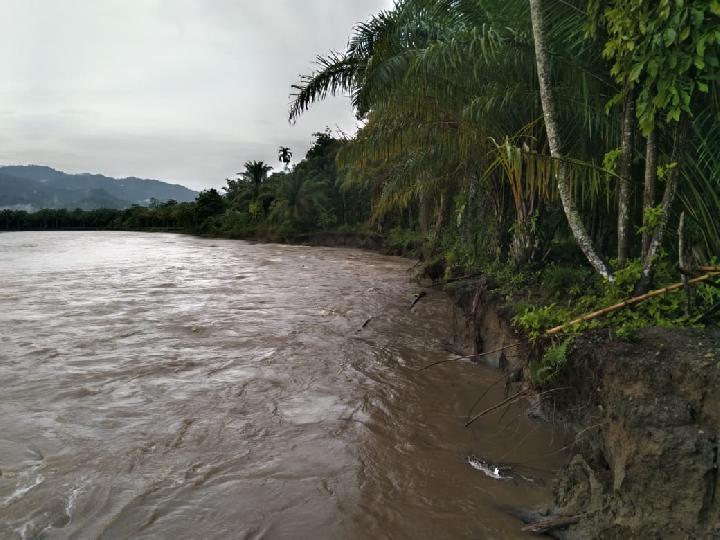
645,416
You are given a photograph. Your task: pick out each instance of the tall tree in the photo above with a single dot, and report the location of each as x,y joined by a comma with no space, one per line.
542,57
255,174
624,190
285,156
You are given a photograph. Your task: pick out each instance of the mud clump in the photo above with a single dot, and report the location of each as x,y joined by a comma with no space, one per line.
647,418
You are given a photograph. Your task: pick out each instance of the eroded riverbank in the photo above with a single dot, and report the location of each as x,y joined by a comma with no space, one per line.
171,386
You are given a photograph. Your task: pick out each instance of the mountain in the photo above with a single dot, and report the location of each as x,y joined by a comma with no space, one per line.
31,187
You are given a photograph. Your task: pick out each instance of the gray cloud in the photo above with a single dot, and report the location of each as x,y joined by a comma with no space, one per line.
181,90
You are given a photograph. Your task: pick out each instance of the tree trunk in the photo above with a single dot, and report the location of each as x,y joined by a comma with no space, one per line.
625,170
440,218
682,264
551,127
649,193
667,201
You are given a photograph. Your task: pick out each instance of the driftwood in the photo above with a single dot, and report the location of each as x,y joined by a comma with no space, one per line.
554,522
625,303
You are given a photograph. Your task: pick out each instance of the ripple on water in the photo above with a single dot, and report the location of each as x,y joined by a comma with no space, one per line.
184,388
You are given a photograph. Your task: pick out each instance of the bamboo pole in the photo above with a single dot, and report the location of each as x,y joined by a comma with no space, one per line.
629,302
708,269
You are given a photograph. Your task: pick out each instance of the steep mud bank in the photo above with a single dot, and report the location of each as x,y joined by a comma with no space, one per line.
483,324
646,416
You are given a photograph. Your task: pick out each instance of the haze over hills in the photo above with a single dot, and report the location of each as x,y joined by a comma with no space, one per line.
32,187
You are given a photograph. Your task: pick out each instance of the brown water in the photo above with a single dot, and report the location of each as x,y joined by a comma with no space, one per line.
161,386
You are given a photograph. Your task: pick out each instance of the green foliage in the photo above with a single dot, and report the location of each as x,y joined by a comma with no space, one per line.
405,241
610,159
563,280
668,49
451,160
652,217
536,320
543,371
208,204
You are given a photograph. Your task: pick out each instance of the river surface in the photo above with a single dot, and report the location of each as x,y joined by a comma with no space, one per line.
165,386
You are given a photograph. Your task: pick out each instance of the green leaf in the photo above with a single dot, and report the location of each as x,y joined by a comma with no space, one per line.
670,35
635,73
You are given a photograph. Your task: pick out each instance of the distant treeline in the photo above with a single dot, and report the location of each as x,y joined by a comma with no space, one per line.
310,197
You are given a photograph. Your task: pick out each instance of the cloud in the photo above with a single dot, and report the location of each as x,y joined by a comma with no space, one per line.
183,90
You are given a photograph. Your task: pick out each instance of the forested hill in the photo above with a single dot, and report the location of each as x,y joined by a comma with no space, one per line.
31,187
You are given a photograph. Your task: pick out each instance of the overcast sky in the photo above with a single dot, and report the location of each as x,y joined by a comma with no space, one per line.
180,90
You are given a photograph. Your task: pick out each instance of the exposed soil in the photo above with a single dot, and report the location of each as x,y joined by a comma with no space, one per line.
646,416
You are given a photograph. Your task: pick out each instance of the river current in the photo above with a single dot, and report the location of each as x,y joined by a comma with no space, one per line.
166,386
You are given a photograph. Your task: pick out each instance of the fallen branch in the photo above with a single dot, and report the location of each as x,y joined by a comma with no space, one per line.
482,396
625,303
495,407
470,356
512,399
554,522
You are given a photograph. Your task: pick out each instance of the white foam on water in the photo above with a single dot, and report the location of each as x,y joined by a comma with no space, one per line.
22,490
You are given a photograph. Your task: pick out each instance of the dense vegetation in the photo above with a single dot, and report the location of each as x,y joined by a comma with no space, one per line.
306,198
556,145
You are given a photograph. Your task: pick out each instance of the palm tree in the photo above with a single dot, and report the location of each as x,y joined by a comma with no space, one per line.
299,198
255,174
285,156
438,80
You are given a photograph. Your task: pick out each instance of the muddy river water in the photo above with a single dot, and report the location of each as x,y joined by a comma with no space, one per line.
165,386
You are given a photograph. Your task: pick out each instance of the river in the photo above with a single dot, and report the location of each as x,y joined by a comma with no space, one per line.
167,386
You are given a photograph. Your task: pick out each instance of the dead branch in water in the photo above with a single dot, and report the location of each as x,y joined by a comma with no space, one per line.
625,303
512,399
495,407
470,356
482,396
554,522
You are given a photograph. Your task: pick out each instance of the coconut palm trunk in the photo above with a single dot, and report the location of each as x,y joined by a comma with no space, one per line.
577,227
